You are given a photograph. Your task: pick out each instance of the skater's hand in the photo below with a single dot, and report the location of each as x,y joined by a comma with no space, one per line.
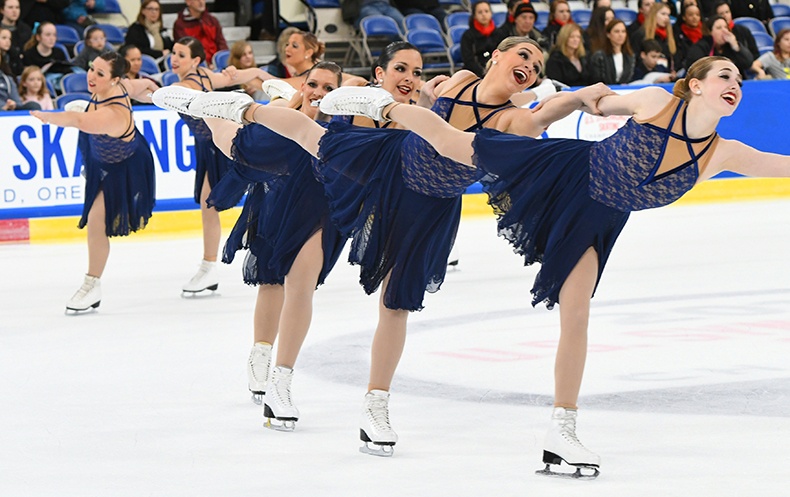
428,90
41,116
231,72
590,96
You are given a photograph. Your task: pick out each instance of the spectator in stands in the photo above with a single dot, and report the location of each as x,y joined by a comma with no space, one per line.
597,4
34,11
9,94
689,28
614,63
431,7
147,33
721,41
523,24
648,70
380,8
775,64
742,33
33,88
476,42
195,21
95,45
242,57
658,27
277,67
10,58
77,13
559,16
20,31
759,9
134,56
644,7
595,34
40,51
567,62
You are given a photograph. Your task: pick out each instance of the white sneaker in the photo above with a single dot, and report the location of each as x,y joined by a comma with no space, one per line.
277,88
562,444
357,101
229,105
87,297
375,425
176,98
278,404
205,279
258,370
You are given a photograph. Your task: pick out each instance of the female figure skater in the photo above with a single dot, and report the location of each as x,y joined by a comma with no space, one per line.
564,202
211,164
119,167
378,194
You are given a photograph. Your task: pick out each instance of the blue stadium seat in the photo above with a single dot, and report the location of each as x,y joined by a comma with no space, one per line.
432,47
542,21
455,56
763,40
149,65
455,34
754,25
72,83
67,35
52,92
457,19
626,15
422,21
500,18
378,32
323,4
779,23
781,10
581,17
112,7
168,78
220,60
62,47
62,100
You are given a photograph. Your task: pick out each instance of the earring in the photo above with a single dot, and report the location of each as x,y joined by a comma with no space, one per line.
381,81
698,92
493,62
305,57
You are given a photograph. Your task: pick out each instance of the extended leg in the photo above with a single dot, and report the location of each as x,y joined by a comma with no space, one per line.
288,123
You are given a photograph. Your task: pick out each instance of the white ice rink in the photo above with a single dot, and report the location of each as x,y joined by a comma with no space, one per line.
686,393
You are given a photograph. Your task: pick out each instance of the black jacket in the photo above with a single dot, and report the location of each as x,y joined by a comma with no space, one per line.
560,68
509,29
742,59
476,49
602,69
138,36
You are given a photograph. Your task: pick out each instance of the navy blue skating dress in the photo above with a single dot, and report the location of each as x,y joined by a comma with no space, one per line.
562,196
285,206
123,170
399,200
209,160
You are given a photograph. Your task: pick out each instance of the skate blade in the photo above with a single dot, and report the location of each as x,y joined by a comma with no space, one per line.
377,450
576,475
257,398
286,425
206,292
70,311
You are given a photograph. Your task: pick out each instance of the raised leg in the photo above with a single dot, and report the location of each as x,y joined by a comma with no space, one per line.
288,123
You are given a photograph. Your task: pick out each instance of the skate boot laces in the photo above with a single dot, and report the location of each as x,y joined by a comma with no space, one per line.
229,105
368,102
378,413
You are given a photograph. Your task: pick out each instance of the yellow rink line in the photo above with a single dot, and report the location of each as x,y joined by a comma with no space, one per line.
173,224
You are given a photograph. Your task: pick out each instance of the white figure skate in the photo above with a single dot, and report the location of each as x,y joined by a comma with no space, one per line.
375,429
562,445
258,370
277,88
228,105
356,101
175,98
278,407
87,297
206,278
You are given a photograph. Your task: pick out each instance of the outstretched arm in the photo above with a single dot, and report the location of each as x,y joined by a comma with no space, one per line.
732,155
140,89
110,120
289,123
642,103
231,76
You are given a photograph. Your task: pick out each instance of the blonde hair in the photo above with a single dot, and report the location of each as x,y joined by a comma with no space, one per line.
699,71
562,40
236,53
650,26
29,70
510,42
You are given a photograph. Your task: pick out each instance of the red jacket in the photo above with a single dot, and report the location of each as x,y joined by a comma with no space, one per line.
206,28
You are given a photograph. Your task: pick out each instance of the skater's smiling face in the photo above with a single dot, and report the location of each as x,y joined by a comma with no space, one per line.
100,78
319,82
520,65
717,85
402,73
